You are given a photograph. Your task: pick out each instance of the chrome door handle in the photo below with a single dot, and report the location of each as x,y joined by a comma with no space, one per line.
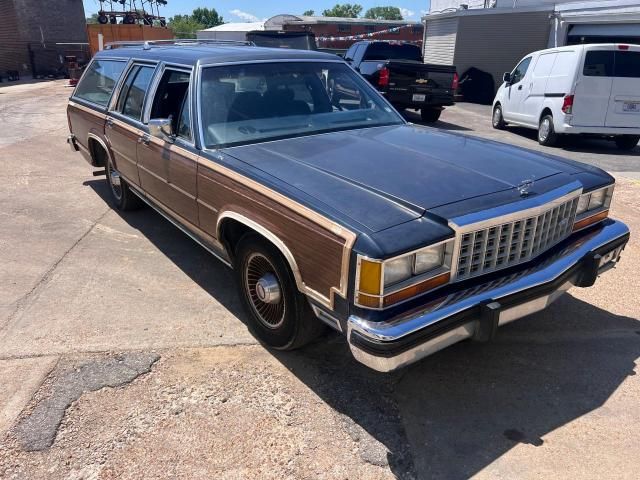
110,122
144,139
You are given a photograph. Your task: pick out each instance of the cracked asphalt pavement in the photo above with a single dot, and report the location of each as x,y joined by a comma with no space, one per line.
123,352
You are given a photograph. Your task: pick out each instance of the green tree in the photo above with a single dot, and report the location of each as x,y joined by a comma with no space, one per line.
207,16
308,13
384,13
93,18
185,26
346,10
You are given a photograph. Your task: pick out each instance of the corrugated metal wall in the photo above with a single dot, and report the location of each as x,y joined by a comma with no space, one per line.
495,42
440,40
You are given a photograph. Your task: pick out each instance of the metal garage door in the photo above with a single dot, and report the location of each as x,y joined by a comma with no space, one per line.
440,41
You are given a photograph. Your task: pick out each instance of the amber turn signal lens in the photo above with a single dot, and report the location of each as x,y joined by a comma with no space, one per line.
417,289
370,277
585,222
368,301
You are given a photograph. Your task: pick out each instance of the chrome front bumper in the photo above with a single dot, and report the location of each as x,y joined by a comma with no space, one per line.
477,311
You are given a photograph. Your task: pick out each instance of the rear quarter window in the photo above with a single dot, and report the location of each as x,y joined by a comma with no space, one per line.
98,82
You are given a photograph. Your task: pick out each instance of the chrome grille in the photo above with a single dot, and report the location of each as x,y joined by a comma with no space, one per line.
507,244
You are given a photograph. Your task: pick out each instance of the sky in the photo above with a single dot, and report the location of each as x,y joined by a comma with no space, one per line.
255,10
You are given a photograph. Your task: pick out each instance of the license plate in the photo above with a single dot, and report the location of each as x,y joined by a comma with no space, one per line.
417,97
633,107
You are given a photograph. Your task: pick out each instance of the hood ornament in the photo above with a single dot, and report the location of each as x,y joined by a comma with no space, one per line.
525,187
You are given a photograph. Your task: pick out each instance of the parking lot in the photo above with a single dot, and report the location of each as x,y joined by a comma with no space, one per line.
123,352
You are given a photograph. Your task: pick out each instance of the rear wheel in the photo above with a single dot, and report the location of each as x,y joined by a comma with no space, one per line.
627,142
498,120
547,135
279,315
122,196
430,115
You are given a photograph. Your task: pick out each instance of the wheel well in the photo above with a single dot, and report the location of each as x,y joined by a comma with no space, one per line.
497,104
231,231
545,111
98,153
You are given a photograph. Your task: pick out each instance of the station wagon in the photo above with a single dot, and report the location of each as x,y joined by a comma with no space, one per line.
329,206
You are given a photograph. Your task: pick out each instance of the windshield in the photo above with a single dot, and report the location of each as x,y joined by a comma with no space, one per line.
251,103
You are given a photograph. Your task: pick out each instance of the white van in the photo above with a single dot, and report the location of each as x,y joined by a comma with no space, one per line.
592,89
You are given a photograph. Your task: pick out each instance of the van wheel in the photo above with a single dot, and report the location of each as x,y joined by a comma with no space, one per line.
498,120
627,142
547,135
279,315
430,115
122,196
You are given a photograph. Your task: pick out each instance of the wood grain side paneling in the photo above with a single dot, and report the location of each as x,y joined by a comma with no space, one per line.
321,252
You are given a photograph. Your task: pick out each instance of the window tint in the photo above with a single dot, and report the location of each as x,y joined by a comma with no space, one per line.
384,51
99,81
598,63
351,52
627,64
171,101
521,70
133,91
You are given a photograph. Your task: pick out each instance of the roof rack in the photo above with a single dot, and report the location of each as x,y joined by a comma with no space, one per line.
147,44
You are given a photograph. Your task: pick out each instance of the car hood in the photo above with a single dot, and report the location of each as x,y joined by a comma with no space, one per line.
381,177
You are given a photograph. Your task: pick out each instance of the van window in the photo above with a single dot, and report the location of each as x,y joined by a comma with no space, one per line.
627,64
134,90
598,63
521,70
612,63
99,81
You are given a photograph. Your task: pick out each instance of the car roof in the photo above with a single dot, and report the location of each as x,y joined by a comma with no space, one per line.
205,54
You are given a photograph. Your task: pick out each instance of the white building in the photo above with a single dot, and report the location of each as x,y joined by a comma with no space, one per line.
492,35
230,31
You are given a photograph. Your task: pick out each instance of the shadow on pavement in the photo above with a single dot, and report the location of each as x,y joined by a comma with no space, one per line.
414,117
454,413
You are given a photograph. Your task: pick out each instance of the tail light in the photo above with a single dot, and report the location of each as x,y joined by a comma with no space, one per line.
383,79
454,84
567,104
623,47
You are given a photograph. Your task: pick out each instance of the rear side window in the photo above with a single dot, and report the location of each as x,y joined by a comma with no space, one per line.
612,63
99,81
135,86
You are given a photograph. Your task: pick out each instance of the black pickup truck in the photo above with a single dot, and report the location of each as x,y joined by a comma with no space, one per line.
397,71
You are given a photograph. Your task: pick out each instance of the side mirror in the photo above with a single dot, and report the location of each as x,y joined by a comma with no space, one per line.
506,77
162,128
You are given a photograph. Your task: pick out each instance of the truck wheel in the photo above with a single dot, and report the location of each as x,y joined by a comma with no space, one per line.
123,198
547,135
627,142
498,120
279,315
430,115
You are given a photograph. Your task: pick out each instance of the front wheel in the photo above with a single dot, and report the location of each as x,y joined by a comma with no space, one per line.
547,135
498,120
430,115
627,142
279,315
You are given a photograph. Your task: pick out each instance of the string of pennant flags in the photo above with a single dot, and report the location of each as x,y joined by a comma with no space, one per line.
360,36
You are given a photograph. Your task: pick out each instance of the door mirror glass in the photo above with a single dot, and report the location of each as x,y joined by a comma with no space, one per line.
162,128
506,77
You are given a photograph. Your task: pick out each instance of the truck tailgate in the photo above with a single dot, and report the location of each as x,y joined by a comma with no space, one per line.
418,77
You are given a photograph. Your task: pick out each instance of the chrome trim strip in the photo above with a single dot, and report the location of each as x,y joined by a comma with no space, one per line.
402,326
223,257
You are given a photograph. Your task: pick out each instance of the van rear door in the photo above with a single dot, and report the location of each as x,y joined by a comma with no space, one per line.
593,88
624,103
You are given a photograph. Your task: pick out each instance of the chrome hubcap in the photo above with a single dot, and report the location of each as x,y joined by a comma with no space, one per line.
264,291
544,129
114,181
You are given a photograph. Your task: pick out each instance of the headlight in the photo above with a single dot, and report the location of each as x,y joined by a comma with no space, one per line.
384,283
593,207
398,270
429,259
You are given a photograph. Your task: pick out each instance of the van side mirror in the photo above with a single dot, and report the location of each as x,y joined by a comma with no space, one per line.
162,128
506,77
